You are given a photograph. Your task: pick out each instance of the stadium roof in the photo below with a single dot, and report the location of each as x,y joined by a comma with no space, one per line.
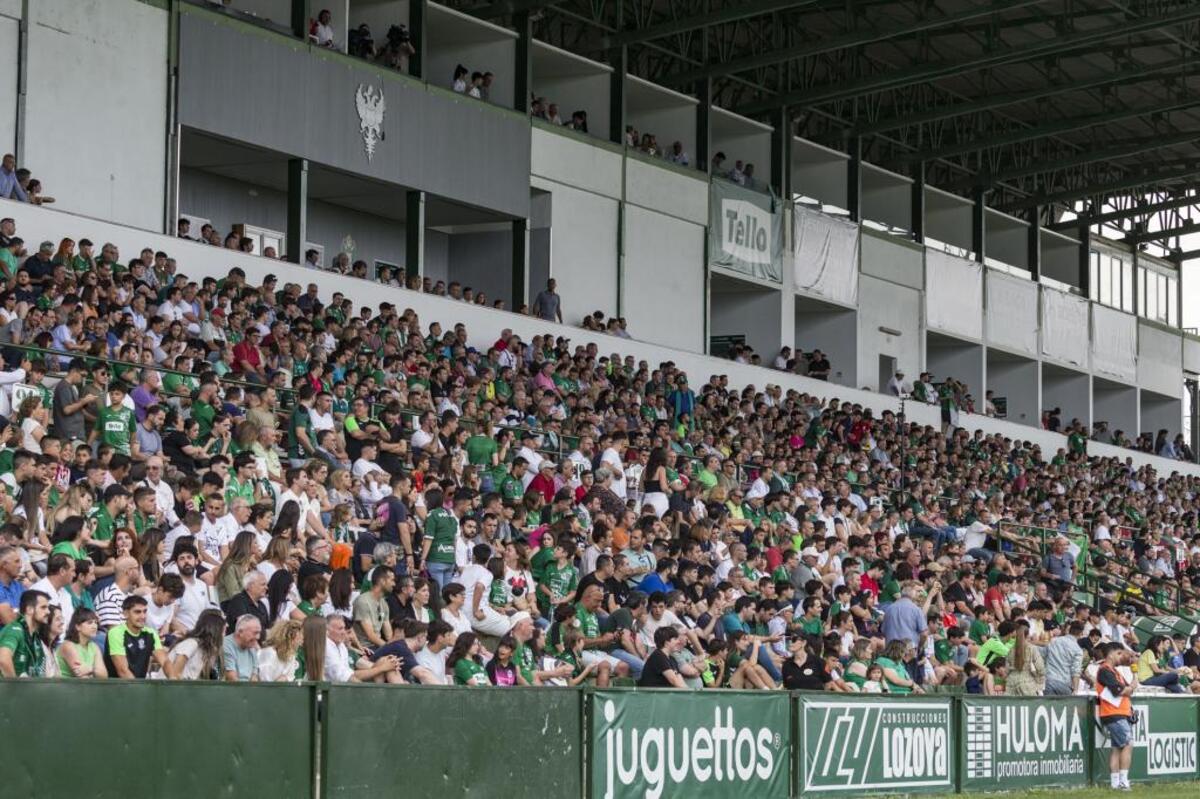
1062,105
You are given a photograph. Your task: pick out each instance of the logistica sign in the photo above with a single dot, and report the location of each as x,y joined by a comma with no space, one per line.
1164,742
859,746
650,744
1011,743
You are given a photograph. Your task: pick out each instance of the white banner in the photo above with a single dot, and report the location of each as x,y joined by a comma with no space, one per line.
1012,312
1114,343
1064,327
953,294
825,251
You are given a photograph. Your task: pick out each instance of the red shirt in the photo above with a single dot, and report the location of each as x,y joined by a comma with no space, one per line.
247,353
993,597
544,486
867,582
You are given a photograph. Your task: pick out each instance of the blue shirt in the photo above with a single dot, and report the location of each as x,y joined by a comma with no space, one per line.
903,621
10,188
652,582
732,623
11,594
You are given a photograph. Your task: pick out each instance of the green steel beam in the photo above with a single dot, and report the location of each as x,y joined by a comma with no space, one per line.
1117,216
1116,151
1136,181
1054,128
868,35
991,102
731,13
924,73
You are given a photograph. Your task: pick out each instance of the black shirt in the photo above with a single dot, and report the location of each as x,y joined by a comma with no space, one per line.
810,676
1191,659
365,545
654,672
397,512
408,661
617,589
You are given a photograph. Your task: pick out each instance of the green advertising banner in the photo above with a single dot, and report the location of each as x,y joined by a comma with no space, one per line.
702,744
1146,627
1024,743
876,745
1164,742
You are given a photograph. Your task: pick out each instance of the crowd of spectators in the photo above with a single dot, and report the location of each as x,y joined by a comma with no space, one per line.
539,108
393,52
318,489
473,84
740,173
647,144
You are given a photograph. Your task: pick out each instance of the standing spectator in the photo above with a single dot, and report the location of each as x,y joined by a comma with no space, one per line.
1064,661
320,32
818,365
547,305
1116,712
1027,671
459,82
10,187
69,422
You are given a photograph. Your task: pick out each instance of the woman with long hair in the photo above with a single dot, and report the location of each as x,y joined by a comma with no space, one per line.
78,656
342,593
78,501
311,656
71,537
656,486
421,599
1026,669
241,558
48,637
277,657
150,553
30,513
465,662
279,596
197,656
287,523
274,557
32,419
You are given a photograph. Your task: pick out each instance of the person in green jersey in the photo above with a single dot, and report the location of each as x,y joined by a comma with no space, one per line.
512,488
204,409
110,513
559,578
441,531
21,650
465,662
115,423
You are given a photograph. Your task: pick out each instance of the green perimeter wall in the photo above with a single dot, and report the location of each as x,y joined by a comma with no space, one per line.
160,738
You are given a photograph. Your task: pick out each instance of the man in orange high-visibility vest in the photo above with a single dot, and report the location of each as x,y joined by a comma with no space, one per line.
1116,712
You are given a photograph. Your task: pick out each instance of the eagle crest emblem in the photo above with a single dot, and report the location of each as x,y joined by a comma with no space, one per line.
371,107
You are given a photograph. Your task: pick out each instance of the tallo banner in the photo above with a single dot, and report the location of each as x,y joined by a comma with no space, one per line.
651,744
745,231
1024,743
1164,742
874,744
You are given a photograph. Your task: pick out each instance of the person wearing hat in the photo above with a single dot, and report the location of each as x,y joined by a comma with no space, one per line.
543,481
115,423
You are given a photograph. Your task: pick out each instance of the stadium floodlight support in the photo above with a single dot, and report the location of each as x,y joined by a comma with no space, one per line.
302,12
861,38
297,209
523,62
854,179
1033,245
726,14
1180,68
894,79
918,202
520,263
704,151
979,222
1085,261
1140,209
418,17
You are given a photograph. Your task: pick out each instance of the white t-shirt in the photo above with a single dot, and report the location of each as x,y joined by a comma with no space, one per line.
337,662
612,460
461,623
195,600
435,662
272,669
472,575
189,649
60,597
159,615
320,422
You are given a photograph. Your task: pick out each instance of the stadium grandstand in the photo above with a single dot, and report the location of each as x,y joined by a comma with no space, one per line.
822,364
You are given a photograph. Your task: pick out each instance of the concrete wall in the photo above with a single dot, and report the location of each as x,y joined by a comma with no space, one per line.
1069,391
1016,380
99,151
754,314
1117,405
892,259
583,250
663,287
10,31
884,304
483,261
961,360
1160,412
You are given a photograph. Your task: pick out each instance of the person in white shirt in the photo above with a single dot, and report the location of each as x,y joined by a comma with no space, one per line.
277,656
433,656
781,360
217,531
529,452
162,604
164,495
611,459
60,571
321,33
195,599
896,386
321,414
426,434
477,579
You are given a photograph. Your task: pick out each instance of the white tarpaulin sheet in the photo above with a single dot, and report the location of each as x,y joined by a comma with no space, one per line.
1114,343
1064,327
825,250
1012,312
953,294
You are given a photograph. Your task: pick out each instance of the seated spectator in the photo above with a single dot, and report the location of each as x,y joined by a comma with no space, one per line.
320,31
10,186
132,646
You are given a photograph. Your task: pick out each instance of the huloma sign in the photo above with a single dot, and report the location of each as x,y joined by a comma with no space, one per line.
649,744
863,746
1014,743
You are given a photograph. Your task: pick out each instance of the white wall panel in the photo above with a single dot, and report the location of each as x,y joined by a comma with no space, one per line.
1114,343
1012,312
886,305
953,295
892,259
583,251
1191,355
10,8
666,191
96,110
1065,327
576,163
825,256
1160,360
663,282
